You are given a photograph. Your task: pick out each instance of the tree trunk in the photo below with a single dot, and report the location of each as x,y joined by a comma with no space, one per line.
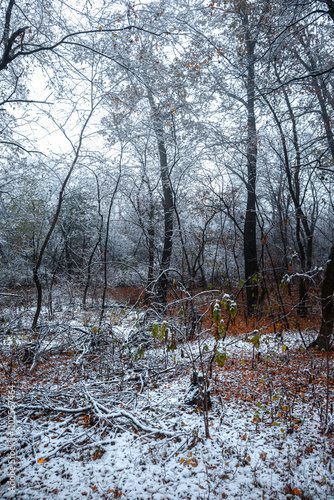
151,236
168,207
305,255
39,296
168,225
330,5
150,240
89,273
323,340
97,244
53,224
250,248
105,251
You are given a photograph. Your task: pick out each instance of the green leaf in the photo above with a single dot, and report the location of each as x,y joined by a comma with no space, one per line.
221,330
155,331
221,358
216,315
233,310
164,330
256,341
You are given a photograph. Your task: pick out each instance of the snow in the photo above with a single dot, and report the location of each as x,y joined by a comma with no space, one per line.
161,452
138,468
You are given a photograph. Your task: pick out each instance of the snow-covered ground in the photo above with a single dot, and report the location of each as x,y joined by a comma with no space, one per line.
112,426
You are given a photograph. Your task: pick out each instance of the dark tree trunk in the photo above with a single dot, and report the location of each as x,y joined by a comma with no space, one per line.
168,224
168,207
330,5
89,272
39,296
302,285
250,247
68,260
327,305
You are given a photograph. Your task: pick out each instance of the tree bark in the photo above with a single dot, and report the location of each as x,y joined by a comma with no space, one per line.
327,304
323,340
168,225
168,207
250,246
330,5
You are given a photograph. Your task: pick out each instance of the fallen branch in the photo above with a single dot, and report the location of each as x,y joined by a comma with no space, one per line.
84,436
140,425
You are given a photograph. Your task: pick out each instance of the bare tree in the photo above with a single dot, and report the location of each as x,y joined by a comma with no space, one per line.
37,265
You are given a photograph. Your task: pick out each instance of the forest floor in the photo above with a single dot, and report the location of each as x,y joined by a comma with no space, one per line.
107,421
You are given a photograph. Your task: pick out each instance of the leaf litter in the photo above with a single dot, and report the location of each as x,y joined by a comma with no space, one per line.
111,423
